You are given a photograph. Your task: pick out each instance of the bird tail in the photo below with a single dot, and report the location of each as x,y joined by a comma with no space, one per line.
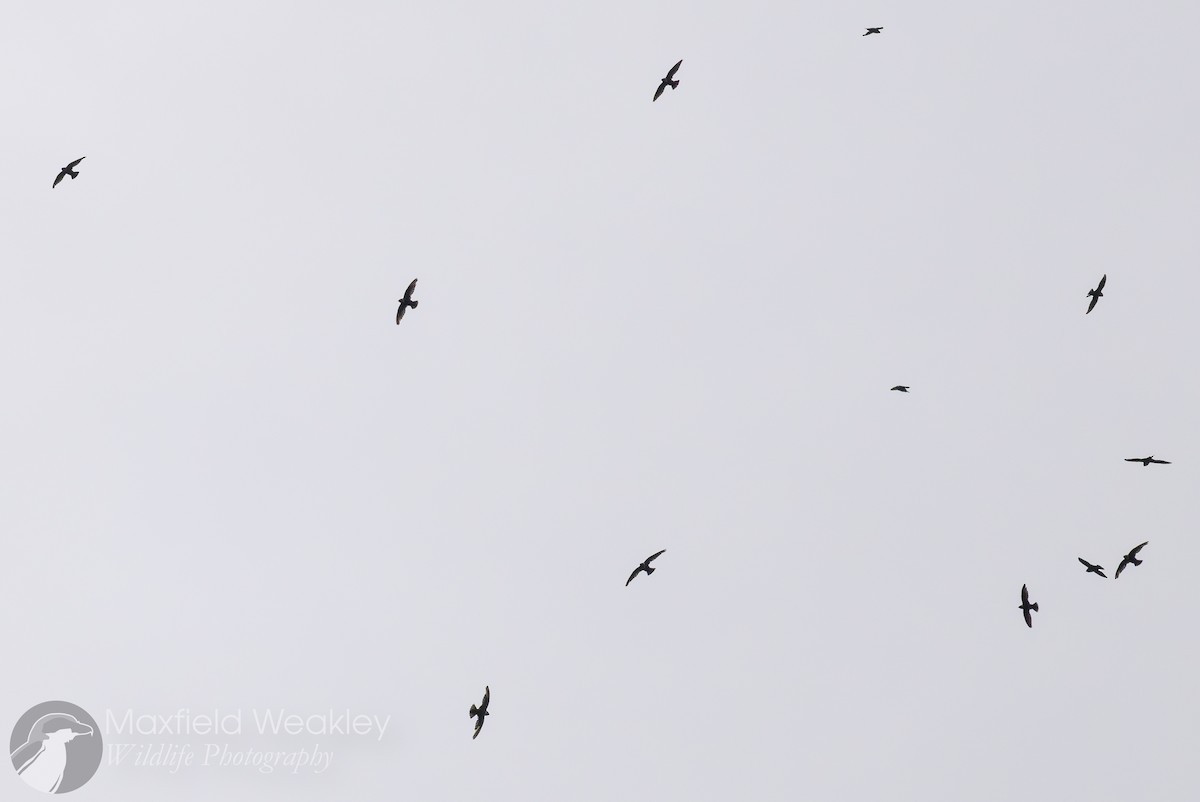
650,569
1136,561
414,304
674,84
1033,607
474,711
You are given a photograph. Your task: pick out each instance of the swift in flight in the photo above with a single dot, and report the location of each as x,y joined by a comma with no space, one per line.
667,81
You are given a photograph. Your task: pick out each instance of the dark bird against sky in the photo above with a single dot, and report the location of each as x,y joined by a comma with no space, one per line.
645,566
1093,569
667,81
1096,294
1131,557
1026,606
873,30
481,711
1147,460
901,387
406,301
69,170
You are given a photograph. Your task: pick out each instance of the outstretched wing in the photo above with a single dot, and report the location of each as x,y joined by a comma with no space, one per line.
487,697
400,312
408,293
1085,562
58,178
1092,305
1135,459
631,576
478,727
1128,558
659,91
653,556
1160,462
1028,618
1103,279
1025,597
71,166
671,74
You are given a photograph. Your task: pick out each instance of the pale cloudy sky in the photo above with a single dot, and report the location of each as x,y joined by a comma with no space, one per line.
230,481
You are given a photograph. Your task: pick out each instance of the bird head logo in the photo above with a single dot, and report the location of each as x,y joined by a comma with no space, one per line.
62,727
56,747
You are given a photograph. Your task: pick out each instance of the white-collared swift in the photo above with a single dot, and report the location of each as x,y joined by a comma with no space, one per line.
1093,569
667,81
1025,606
1147,460
69,170
481,711
870,31
1131,557
1096,294
644,566
406,302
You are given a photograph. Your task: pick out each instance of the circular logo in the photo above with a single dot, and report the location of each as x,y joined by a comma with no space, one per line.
56,747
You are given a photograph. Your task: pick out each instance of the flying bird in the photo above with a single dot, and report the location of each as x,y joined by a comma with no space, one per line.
901,387
1096,294
1093,569
1026,606
481,711
406,301
873,30
645,566
69,170
667,81
1147,460
1131,557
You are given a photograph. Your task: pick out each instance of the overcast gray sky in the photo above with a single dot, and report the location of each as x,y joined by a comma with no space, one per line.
231,481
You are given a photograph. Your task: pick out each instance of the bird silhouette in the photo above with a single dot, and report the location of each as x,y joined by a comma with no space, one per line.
69,170
901,387
667,81
873,30
645,566
1026,606
1147,460
1131,557
1093,569
406,301
42,760
481,711
1096,294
